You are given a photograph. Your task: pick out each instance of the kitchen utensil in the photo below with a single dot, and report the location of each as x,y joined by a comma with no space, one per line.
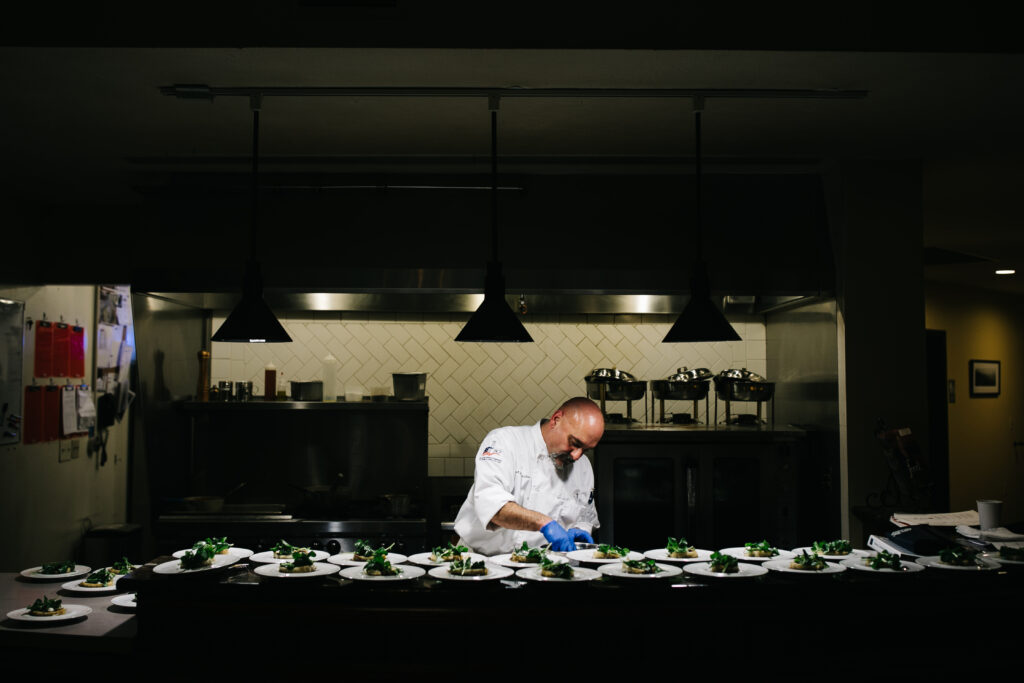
243,390
308,391
409,386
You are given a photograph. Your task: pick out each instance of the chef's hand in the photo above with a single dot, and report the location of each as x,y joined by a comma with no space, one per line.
559,538
577,534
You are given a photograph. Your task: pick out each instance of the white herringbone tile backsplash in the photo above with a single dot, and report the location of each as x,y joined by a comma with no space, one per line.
474,388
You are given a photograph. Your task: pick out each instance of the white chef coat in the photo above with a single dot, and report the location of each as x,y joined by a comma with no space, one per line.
513,464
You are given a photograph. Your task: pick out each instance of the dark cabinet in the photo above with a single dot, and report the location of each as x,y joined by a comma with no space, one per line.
716,488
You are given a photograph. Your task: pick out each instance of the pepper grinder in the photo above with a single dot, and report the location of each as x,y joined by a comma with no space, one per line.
203,389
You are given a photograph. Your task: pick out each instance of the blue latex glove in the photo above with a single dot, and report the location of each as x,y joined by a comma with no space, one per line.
559,538
578,534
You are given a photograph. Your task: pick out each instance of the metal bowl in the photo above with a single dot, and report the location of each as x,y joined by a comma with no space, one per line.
617,391
679,391
740,390
685,375
609,375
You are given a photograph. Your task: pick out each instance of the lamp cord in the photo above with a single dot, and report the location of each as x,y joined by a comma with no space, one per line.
700,231
255,182
494,183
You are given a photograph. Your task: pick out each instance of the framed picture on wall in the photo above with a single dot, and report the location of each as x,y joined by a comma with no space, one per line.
984,376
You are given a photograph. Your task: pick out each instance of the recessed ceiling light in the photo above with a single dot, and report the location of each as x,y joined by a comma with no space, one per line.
1006,271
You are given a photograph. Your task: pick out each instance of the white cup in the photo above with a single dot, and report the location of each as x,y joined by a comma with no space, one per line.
988,514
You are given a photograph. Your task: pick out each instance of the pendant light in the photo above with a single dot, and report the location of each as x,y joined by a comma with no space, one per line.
252,320
494,320
701,320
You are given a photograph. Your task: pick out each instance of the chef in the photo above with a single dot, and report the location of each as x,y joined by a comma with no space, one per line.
531,483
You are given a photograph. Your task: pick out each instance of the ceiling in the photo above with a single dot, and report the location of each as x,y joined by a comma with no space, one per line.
85,120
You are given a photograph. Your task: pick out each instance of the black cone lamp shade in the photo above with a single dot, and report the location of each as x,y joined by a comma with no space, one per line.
494,320
252,321
701,321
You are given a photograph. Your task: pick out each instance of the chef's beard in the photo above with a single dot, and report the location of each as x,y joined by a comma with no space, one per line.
563,464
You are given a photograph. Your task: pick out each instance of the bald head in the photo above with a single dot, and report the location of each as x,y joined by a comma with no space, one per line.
575,426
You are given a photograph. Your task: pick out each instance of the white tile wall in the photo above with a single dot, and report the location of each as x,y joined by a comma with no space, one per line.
474,388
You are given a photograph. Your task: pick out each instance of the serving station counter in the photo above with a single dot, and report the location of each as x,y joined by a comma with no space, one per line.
853,619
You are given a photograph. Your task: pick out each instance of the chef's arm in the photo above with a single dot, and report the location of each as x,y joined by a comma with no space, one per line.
515,516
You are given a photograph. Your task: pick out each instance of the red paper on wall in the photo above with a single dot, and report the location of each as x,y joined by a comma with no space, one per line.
44,349
32,425
61,344
76,352
51,412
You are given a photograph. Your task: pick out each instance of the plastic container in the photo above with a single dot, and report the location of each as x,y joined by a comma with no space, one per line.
330,378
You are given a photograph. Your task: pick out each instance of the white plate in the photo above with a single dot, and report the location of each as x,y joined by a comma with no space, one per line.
235,554
268,557
661,555
345,559
740,553
73,612
493,572
838,558
505,560
587,555
424,559
994,555
124,600
174,566
704,569
408,572
578,574
985,563
616,570
273,570
75,588
33,573
783,566
906,566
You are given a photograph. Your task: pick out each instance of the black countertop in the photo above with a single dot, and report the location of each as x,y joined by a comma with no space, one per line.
864,621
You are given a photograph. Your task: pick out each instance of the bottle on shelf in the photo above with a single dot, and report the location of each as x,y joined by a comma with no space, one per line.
269,382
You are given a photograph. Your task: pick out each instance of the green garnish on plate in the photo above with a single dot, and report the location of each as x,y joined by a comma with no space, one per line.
300,558
612,550
678,546
884,560
556,570
65,567
641,566
122,566
806,562
723,564
467,567
762,549
45,604
378,564
100,576
444,553
201,555
219,545
840,547
525,553
958,556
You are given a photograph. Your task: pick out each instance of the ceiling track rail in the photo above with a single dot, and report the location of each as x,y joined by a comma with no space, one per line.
207,92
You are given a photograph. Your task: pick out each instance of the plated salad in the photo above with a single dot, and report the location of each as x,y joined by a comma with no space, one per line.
302,561
379,565
555,570
605,551
98,579
467,567
122,566
64,567
201,555
641,567
46,607
526,554
958,556
679,547
365,551
840,547
762,549
805,562
447,553
723,564
884,560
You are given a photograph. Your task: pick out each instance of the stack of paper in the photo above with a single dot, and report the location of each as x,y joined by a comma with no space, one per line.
965,518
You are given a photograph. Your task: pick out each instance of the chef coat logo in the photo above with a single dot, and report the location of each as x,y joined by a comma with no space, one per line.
491,453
